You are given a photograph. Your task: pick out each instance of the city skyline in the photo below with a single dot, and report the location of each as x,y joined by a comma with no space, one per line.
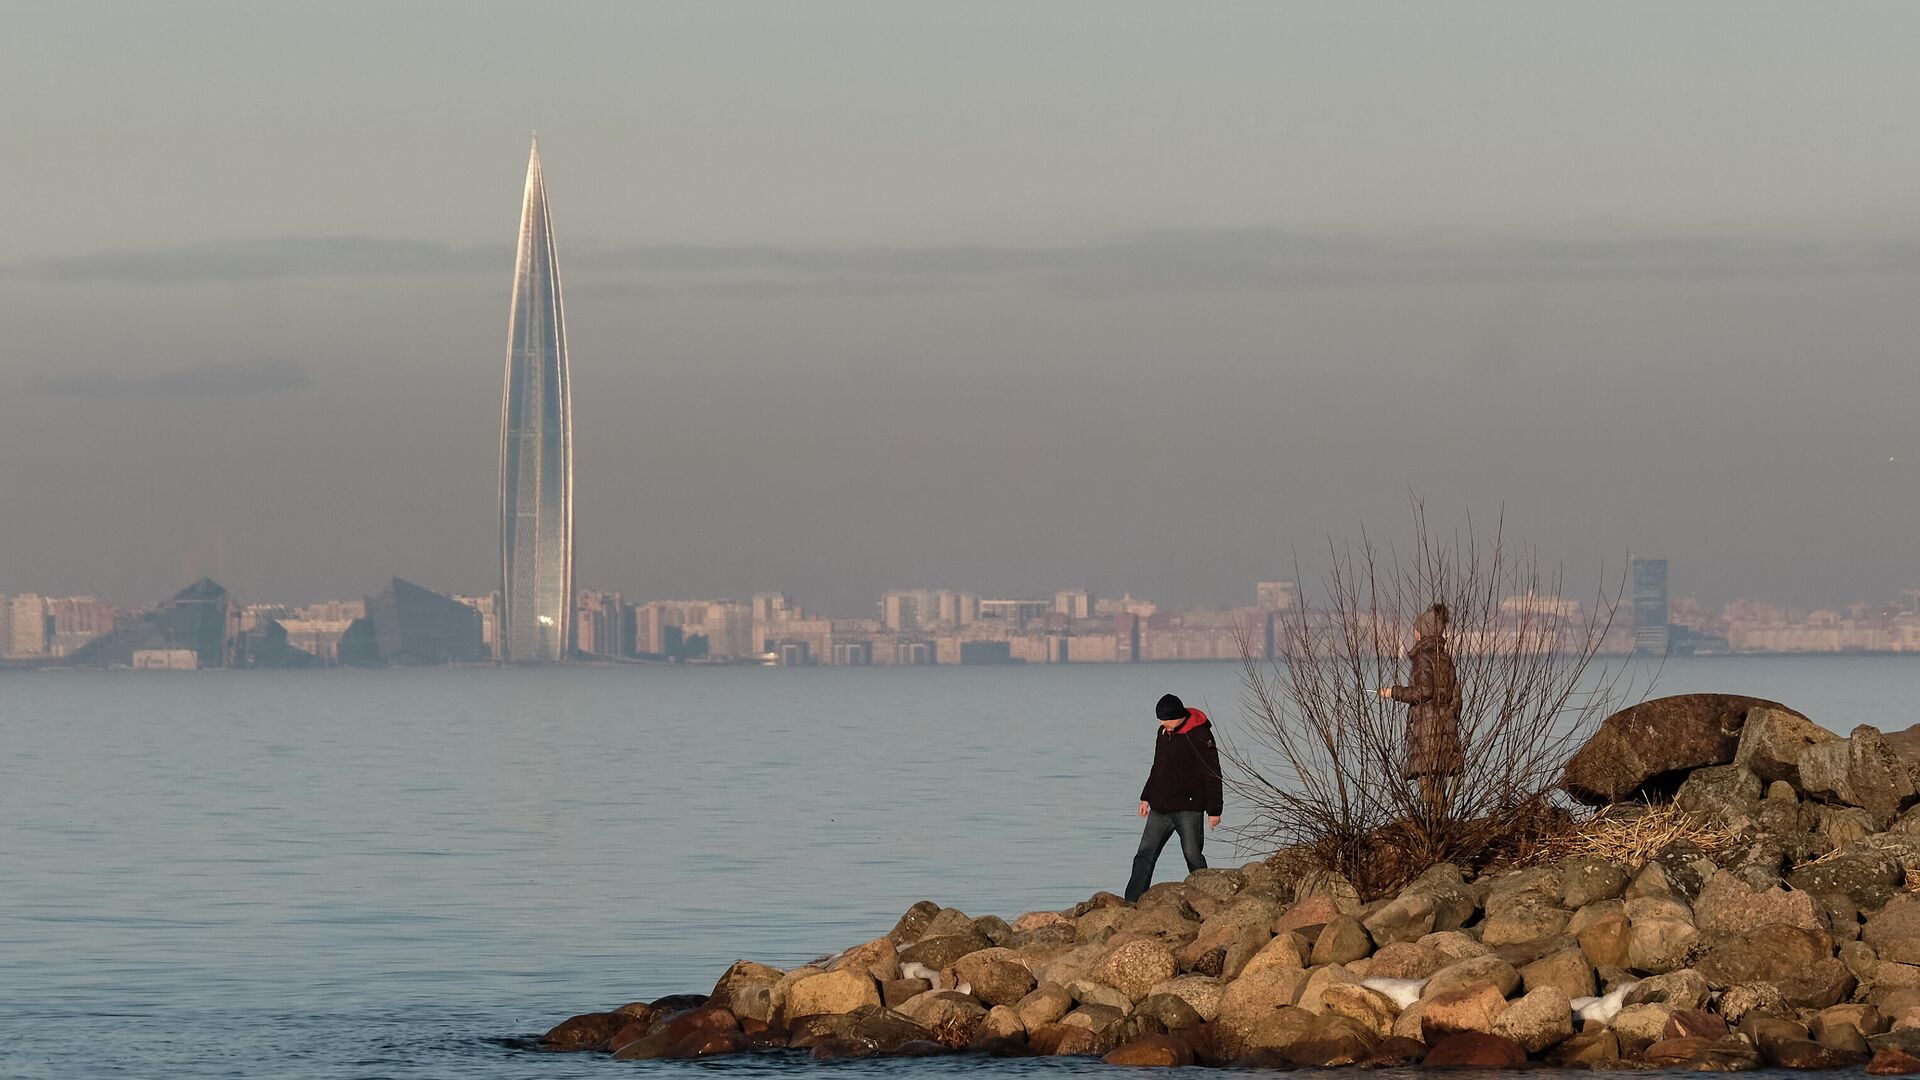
1019,317
536,447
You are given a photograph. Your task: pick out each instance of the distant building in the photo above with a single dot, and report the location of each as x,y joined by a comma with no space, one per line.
319,638
1073,603
489,608
417,626
165,660
194,618
26,625
76,620
1276,595
1648,581
536,449
604,624
1016,614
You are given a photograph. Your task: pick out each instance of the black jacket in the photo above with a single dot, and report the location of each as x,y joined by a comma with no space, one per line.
1186,769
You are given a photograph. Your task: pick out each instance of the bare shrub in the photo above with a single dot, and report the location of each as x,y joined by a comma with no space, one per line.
1324,771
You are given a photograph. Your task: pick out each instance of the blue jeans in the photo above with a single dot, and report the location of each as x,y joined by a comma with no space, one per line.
1161,827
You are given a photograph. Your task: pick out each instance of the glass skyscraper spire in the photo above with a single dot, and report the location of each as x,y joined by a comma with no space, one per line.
536,450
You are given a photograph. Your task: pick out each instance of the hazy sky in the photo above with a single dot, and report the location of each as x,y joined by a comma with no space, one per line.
1001,296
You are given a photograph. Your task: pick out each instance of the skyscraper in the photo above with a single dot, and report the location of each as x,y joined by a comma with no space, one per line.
536,449
1651,636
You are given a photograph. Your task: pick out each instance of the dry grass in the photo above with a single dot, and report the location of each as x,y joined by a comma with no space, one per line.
1634,834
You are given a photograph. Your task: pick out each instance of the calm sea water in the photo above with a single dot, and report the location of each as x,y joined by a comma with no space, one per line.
391,874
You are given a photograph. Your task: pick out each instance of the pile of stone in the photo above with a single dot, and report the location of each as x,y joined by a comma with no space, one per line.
1793,944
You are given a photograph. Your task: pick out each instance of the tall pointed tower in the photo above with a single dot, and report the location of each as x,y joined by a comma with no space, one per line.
536,450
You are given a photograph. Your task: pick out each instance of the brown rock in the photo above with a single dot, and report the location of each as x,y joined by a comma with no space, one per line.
1695,1023
1283,951
1095,1018
1728,905
1045,1005
1540,1019
1659,945
1738,1003
1172,1011
1474,1050
1001,1023
1648,749
1034,920
1367,1007
1333,1042
877,958
1473,1008
942,951
1342,941
1675,1051
1586,881
1594,1048
1893,1062
1395,1052
1604,941
1200,993
1861,1017
1809,1056
1465,973
1567,971
1523,922
1152,1051
1772,742
897,992
689,1028
1061,1040
1407,960
953,1018
914,923
1640,1026
1894,933
588,1031
832,992
1250,1001
994,981
1312,912
1407,917
1135,967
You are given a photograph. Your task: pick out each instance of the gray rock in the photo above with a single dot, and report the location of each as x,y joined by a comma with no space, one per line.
1772,742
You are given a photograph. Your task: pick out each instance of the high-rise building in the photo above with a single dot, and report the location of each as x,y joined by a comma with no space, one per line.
27,625
1649,585
1276,595
536,449
1073,603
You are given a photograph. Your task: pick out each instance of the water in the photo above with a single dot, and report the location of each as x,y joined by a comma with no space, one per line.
385,874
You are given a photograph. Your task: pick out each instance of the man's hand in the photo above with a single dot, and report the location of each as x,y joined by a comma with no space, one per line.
1213,822
1144,808
1385,691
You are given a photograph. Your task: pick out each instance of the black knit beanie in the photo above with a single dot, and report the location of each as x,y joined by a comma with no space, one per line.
1170,708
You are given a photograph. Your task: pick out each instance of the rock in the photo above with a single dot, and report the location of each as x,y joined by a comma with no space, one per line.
1604,941
1773,740
1278,1031
1369,1008
712,1044
1342,941
1198,992
1869,872
1474,1050
1640,1026
1395,1052
1034,920
1595,1048
1095,1018
996,982
954,1018
1061,1040
1472,1008
1407,960
1170,925
1454,945
1567,971
914,923
1683,989
1407,917
1842,1037
1002,1022
1893,1062
1674,1052
1246,945
832,992
1728,905
1465,973
1695,1024
1588,881
940,952
1333,1042
1738,1003
1725,795
1136,967
1880,780
1172,1011
1523,922
1089,992
1314,911
1152,1051
1250,1000
1540,1019
1799,962
1283,951
1099,924
884,1031
1658,945
1894,933
1045,1005
1649,748
682,1032
897,992
742,973
1326,883
1859,1017
1809,1056
1318,980
588,1031
877,958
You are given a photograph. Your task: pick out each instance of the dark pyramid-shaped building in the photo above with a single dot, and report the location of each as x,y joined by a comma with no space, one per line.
408,625
194,618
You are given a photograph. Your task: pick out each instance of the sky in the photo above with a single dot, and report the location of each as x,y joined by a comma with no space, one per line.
997,296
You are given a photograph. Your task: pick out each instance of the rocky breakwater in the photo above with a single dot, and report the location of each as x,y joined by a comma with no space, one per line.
1775,928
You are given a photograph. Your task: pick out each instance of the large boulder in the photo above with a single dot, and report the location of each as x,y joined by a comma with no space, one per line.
994,980
1249,1001
1648,749
1199,992
1136,967
1894,933
1045,1005
1772,741
831,992
1474,1050
1728,905
1160,1051
1543,1018
588,1031
1472,1008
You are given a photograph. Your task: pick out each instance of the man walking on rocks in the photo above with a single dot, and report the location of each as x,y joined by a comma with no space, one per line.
1183,786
